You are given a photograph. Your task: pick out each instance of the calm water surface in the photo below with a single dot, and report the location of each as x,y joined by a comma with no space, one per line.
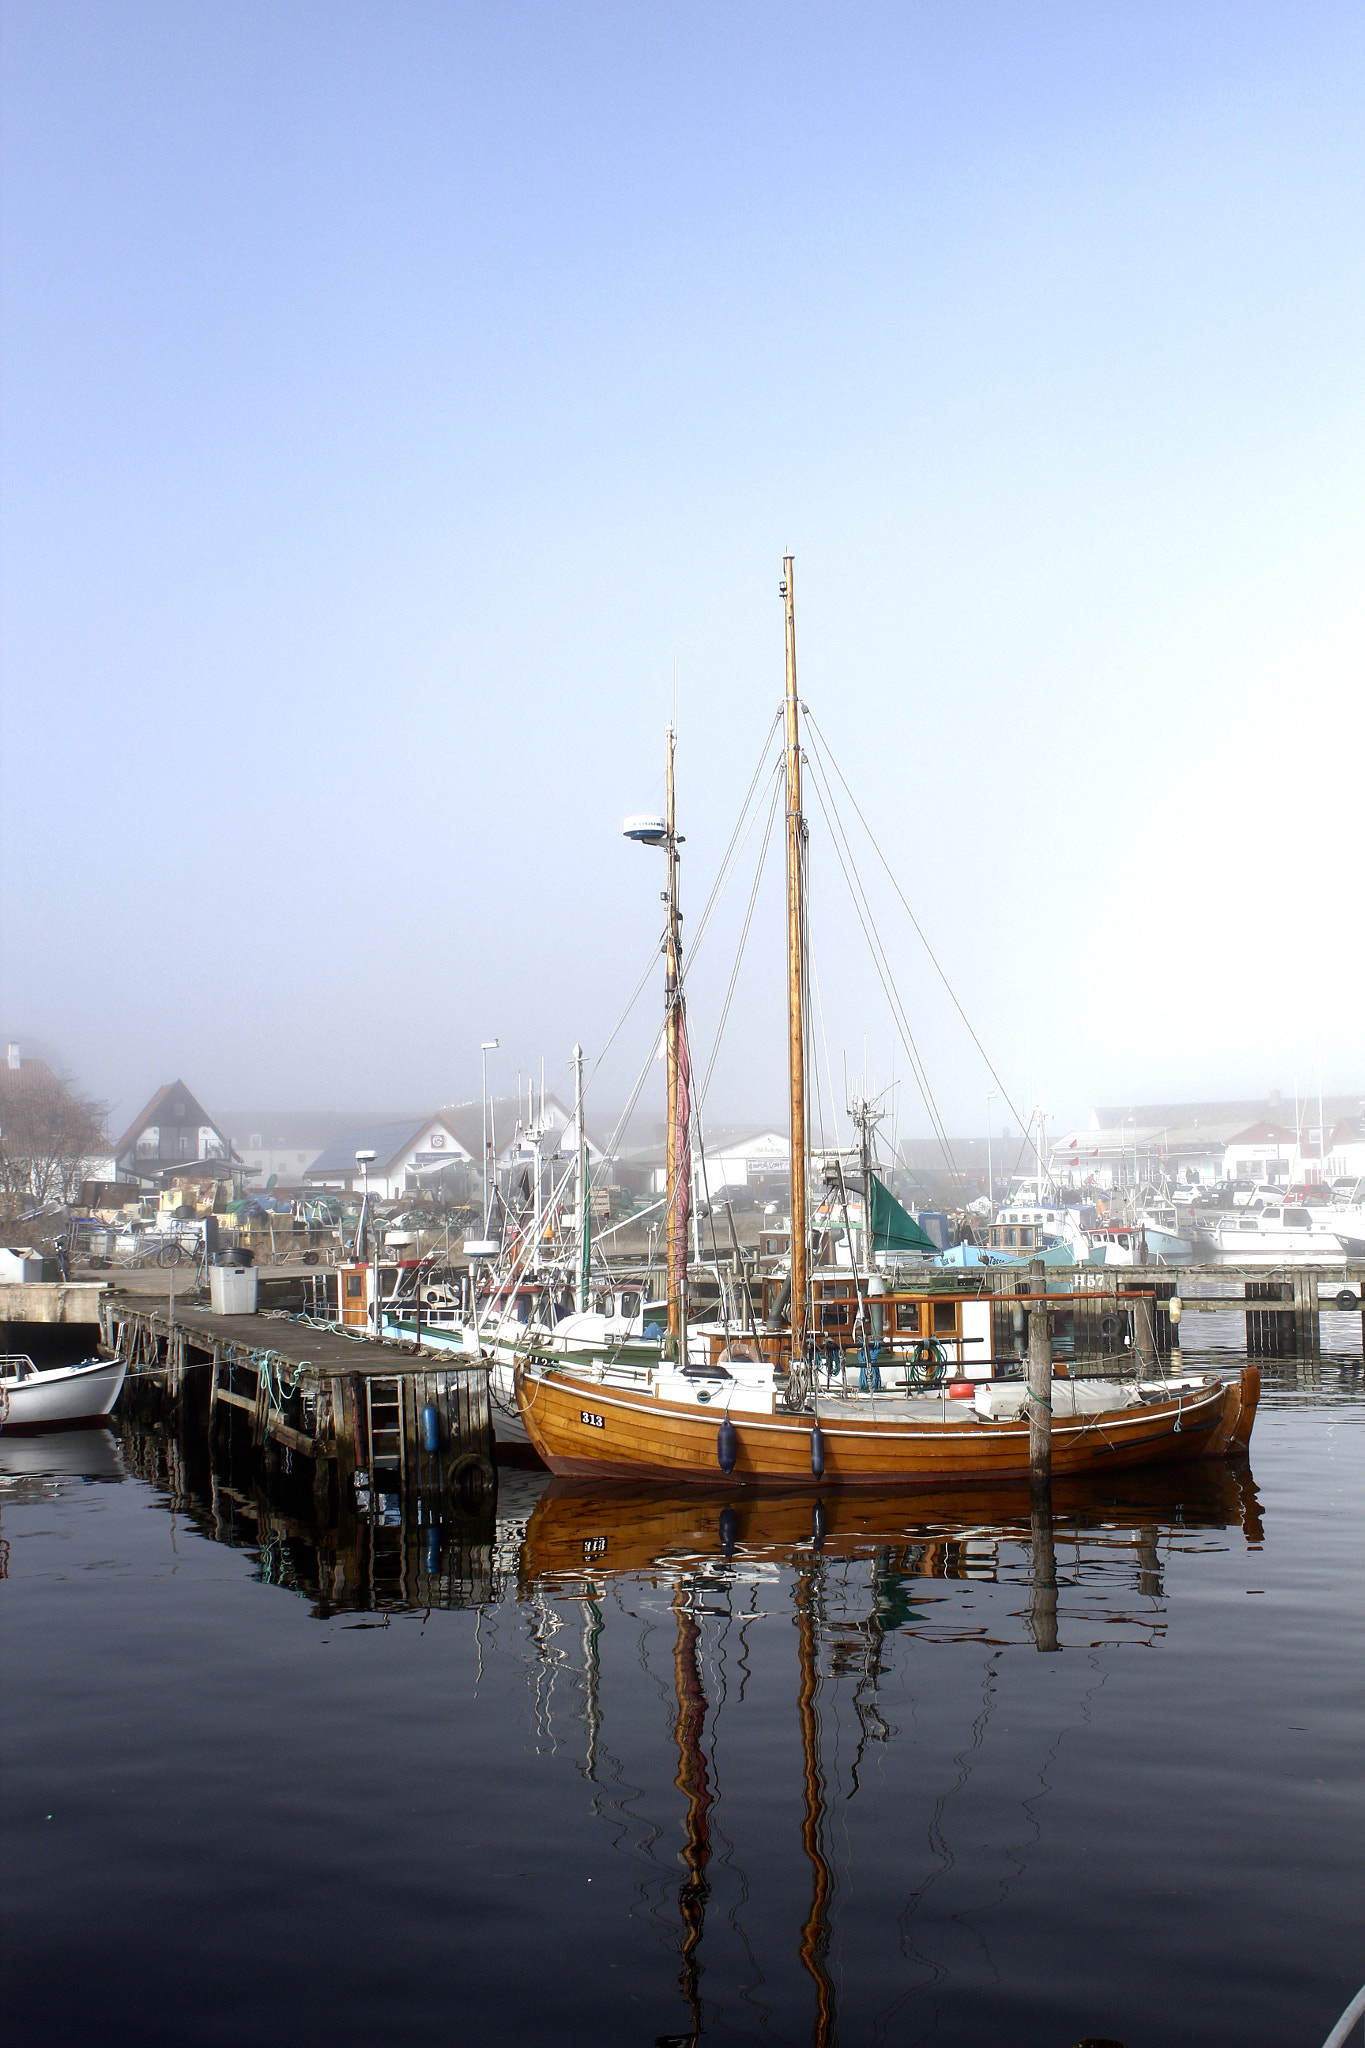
658,1768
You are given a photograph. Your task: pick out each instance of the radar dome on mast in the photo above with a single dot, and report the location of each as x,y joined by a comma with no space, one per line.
647,828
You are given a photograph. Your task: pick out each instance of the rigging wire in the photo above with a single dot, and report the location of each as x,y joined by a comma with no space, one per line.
990,1068
829,1071
863,912
743,939
738,838
733,850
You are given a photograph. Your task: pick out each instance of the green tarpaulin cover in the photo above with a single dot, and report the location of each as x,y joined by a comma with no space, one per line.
894,1229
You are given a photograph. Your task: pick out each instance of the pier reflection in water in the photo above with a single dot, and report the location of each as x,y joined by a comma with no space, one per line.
857,1767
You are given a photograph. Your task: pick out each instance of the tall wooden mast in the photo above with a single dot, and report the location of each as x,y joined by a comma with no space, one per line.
675,1234
796,967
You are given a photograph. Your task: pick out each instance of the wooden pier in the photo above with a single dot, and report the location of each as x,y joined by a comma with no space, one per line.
369,1416
1116,1312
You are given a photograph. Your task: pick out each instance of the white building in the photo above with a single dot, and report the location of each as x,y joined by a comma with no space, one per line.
755,1160
401,1151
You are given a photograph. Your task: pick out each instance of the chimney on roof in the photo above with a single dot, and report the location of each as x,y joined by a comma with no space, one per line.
14,1060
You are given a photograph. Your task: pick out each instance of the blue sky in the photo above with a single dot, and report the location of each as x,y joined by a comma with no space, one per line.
391,399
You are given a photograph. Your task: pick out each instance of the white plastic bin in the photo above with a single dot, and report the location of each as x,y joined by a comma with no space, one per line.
232,1290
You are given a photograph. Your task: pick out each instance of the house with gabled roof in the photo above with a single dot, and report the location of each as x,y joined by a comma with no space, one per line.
405,1154
510,1119
174,1131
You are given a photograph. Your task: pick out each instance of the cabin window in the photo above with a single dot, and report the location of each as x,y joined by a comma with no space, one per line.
523,1308
355,1285
832,1315
1299,1217
945,1318
630,1304
907,1317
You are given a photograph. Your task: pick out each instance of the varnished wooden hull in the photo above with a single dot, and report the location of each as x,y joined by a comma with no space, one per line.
586,1428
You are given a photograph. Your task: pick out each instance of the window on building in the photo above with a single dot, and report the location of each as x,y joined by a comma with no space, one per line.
180,1112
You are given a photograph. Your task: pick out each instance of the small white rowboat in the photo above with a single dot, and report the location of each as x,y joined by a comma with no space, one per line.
64,1398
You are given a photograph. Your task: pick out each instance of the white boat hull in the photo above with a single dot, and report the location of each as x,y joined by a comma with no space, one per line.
1280,1248
65,1398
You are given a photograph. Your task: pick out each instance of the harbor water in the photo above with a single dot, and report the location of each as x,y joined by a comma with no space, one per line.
638,1766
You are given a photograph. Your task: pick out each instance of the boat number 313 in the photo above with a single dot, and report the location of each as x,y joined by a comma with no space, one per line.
592,1421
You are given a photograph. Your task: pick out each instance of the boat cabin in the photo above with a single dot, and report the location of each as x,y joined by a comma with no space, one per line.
952,1328
1015,1237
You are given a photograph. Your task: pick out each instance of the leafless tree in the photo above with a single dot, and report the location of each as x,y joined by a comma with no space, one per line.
49,1134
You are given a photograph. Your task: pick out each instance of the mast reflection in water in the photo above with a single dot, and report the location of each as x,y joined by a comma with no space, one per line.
681,1767
887,1555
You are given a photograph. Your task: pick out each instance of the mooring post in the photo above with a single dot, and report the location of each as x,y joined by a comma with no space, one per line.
1040,1405
1307,1330
1144,1332
1043,1610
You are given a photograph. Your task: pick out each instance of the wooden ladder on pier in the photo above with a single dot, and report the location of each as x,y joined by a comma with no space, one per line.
384,1409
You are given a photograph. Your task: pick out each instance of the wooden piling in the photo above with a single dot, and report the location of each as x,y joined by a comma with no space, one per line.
1307,1327
1043,1608
1144,1333
1040,1406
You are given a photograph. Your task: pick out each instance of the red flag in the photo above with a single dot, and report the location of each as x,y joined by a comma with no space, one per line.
682,1157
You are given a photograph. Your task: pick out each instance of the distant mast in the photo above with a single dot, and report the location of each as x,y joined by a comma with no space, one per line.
796,963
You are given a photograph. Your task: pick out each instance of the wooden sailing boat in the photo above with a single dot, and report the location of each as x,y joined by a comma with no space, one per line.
752,1407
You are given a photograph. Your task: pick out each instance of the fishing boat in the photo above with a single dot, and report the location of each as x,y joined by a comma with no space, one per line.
1280,1237
1161,1226
64,1397
775,1402
1022,1230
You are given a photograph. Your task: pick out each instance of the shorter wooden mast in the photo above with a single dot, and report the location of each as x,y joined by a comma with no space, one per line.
796,963
675,1233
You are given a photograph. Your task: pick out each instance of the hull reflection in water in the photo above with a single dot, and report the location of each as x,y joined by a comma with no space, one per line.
580,1528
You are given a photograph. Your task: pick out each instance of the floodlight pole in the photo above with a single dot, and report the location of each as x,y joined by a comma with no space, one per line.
488,1045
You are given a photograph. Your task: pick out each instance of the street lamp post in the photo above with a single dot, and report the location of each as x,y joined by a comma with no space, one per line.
990,1173
488,1045
362,1160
